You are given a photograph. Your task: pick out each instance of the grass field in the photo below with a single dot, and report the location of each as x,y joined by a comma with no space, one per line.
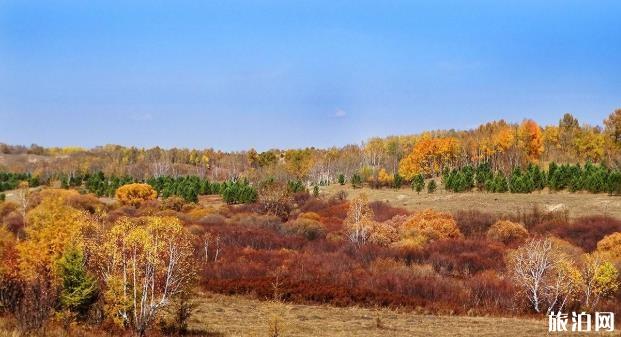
239,316
578,204
236,316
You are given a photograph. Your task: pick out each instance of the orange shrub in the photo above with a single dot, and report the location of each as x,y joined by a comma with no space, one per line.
610,246
383,234
431,225
507,232
135,194
310,215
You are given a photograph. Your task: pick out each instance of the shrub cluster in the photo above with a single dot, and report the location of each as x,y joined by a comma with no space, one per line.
238,192
592,178
10,181
188,187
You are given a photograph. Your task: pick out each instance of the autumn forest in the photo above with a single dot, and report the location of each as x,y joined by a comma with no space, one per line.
117,240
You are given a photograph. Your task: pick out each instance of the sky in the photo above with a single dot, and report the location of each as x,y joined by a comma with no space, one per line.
234,75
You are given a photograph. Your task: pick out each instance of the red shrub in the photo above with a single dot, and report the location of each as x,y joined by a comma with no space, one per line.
584,232
384,211
473,223
489,292
338,210
464,257
314,205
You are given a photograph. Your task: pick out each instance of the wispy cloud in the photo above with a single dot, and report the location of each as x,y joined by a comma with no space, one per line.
141,117
340,113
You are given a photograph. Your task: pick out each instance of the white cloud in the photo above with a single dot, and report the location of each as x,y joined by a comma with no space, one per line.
340,113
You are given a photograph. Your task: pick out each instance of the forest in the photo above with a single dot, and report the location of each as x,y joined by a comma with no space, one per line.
120,240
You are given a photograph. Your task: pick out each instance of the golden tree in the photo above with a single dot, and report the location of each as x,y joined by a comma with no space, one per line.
384,178
610,246
429,156
589,144
530,139
613,126
299,162
144,263
53,227
135,194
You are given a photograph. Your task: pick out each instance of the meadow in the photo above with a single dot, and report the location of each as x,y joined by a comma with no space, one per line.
576,204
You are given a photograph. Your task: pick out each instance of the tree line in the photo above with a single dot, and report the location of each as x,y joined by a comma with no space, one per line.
502,144
593,178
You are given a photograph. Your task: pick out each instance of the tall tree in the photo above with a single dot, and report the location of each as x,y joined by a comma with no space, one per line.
359,220
530,139
613,126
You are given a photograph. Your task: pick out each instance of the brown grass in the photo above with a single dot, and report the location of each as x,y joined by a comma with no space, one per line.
578,204
236,316
241,316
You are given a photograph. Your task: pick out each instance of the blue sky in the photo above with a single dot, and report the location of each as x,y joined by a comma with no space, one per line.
239,74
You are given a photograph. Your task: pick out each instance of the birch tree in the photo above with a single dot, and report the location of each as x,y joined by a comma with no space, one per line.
529,265
359,220
147,261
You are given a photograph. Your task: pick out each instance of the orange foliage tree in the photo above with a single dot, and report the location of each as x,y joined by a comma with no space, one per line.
429,156
135,194
530,139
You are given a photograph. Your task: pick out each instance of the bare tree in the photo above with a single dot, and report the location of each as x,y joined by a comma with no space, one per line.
530,263
23,196
359,220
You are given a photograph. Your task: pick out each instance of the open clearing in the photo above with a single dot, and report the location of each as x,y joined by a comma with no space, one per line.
240,316
578,204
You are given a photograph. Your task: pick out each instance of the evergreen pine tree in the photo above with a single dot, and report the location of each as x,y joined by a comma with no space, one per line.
79,289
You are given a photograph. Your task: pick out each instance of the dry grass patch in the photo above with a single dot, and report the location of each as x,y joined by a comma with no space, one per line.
578,204
241,316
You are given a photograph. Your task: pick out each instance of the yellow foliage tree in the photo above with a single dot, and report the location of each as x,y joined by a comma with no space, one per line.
145,262
53,226
610,247
504,138
384,178
299,162
590,144
135,194
613,126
